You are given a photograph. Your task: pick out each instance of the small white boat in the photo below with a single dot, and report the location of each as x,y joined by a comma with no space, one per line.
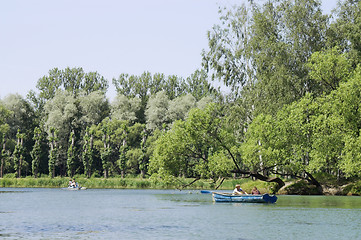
74,188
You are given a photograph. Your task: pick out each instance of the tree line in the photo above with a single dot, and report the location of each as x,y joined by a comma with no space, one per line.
69,127
292,108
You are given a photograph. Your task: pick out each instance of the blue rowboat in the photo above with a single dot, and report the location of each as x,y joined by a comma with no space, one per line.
229,197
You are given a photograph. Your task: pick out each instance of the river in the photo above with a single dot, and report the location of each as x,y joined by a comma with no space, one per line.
169,214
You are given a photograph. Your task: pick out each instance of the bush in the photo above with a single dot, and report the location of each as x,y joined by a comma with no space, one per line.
142,184
353,189
301,188
10,175
329,179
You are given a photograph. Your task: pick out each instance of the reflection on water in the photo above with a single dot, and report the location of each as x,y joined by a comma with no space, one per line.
9,191
168,214
320,201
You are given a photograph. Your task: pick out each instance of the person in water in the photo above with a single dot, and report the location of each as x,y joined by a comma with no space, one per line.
238,190
255,191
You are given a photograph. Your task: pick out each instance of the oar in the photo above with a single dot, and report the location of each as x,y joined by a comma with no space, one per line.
205,192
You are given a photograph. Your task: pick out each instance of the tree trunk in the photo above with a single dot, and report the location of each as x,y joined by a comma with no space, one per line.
2,167
220,183
2,159
313,181
20,165
142,172
280,182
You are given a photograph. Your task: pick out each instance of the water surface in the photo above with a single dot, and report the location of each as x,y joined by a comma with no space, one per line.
169,214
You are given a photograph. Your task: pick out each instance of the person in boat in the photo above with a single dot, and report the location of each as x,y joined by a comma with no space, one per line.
70,182
255,191
238,190
74,184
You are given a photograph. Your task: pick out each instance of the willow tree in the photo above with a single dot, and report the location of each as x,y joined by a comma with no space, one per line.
179,107
344,31
125,108
202,146
283,145
22,118
345,108
63,115
157,108
261,51
138,86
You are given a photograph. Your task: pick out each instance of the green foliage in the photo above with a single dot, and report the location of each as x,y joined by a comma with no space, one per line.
260,150
53,153
4,114
198,86
87,154
329,68
260,50
71,155
179,108
193,147
23,119
353,189
344,32
125,108
220,164
156,109
18,154
122,161
134,160
72,80
36,152
94,108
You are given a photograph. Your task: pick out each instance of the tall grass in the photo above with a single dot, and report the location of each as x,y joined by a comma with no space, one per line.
130,183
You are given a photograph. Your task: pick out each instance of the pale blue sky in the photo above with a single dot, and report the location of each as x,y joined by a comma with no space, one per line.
108,36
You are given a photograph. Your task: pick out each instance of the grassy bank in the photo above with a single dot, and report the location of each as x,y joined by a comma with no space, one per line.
131,183
351,188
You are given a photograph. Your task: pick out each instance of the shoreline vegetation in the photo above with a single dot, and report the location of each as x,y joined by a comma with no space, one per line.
291,188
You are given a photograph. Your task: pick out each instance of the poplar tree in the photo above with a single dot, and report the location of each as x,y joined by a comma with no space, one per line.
87,154
71,155
36,152
53,152
18,154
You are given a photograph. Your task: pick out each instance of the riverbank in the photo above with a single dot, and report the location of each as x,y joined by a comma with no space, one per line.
291,187
301,187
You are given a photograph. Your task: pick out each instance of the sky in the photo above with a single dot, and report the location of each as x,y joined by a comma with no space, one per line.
110,37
